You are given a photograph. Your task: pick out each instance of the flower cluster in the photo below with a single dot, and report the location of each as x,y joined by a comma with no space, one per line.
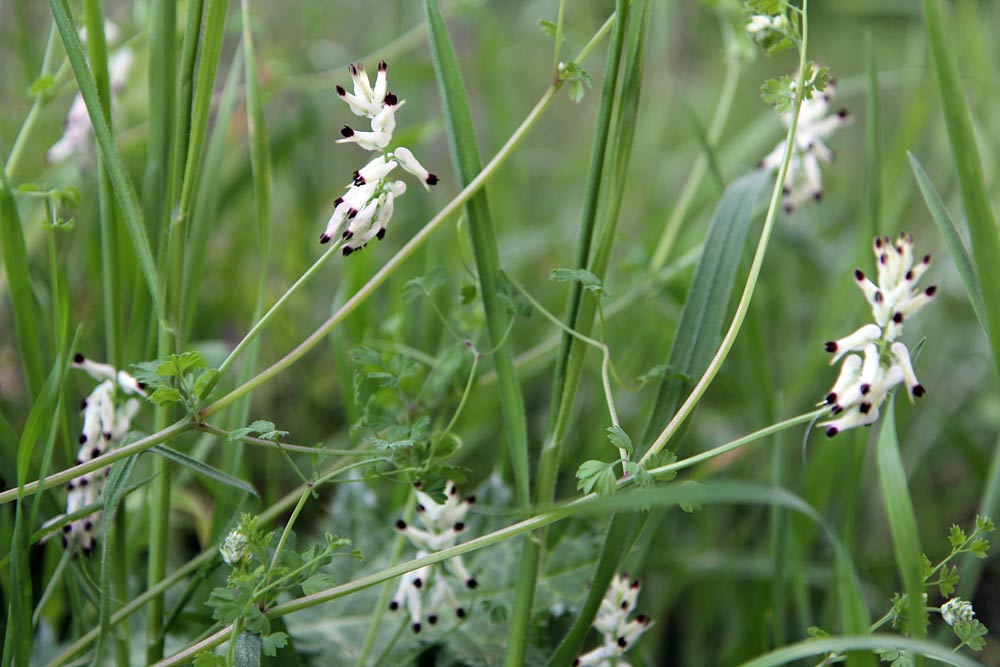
235,550
443,523
957,610
612,622
803,180
765,29
884,362
106,420
363,213
78,127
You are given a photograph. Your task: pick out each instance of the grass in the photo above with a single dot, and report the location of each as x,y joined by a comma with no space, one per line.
444,351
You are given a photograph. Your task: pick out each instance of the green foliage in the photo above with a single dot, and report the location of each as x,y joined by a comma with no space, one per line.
896,658
261,428
970,633
178,378
619,439
597,477
577,79
780,92
585,278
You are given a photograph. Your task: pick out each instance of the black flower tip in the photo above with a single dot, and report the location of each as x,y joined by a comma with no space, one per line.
843,113
865,388
347,250
141,385
837,409
382,66
472,583
82,439
432,619
635,584
83,404
460,612
416,628
641,618
931,291
380,234
831,346
622,643
831,398
832,431
918,390
421,509
391,99
625,604
341,91
393,606
470,500
865,408
818,195
859,275
898,318
346,131
459,527
431,179
78,358
87,550
418,583
576,662
324,238
68,528
400,524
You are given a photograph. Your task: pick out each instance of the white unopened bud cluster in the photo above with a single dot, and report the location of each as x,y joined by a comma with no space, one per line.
106,420
363,213
866,379
235,548
443,523
78,128
957,610
764,27
803,181
612,621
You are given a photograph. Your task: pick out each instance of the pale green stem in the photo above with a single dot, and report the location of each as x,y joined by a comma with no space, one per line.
758,260
298,449
559,38
51,586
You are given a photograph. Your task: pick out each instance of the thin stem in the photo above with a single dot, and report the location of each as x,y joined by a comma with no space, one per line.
24,134
99,462
559,38
298,449
758,260
51,586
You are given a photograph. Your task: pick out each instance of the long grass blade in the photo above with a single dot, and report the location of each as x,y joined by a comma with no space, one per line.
204,469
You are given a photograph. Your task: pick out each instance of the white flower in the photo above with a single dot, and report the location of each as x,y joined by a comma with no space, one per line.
78,128
364,211
865,381
764,27
803,180
957,610
106,420
443,523
618,632
235,549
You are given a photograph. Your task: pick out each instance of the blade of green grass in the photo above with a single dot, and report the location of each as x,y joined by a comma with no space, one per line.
868,643
25,310
112,161
982,224
204,469
902,520
465,156
952,241
704,313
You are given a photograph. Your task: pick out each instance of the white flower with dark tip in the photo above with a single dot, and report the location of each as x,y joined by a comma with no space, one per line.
803,181
107,417
364,211
427,591
874,360
235,548
612,621
78,129
957,610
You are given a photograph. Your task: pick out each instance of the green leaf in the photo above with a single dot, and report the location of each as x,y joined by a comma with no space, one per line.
704,313
165,396
317,582
956,536
204,469
209,659
952,241
468,293
641,478
587,280
272,642
983,229
577,79
971,634
177,365
597,476
424,285
263,429
205,380
980,547
620,439
902,520
548,27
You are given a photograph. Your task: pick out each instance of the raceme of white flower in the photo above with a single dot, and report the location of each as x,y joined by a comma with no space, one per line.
803,181
77,130
612,621
957,610
363,213
866,379
235,548
443,523
106,420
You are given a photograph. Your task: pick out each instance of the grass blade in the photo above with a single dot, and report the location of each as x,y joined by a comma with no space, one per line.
823,647
15,264
952,241
902,519
204,469
112,161
982,225
704,313
465,156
